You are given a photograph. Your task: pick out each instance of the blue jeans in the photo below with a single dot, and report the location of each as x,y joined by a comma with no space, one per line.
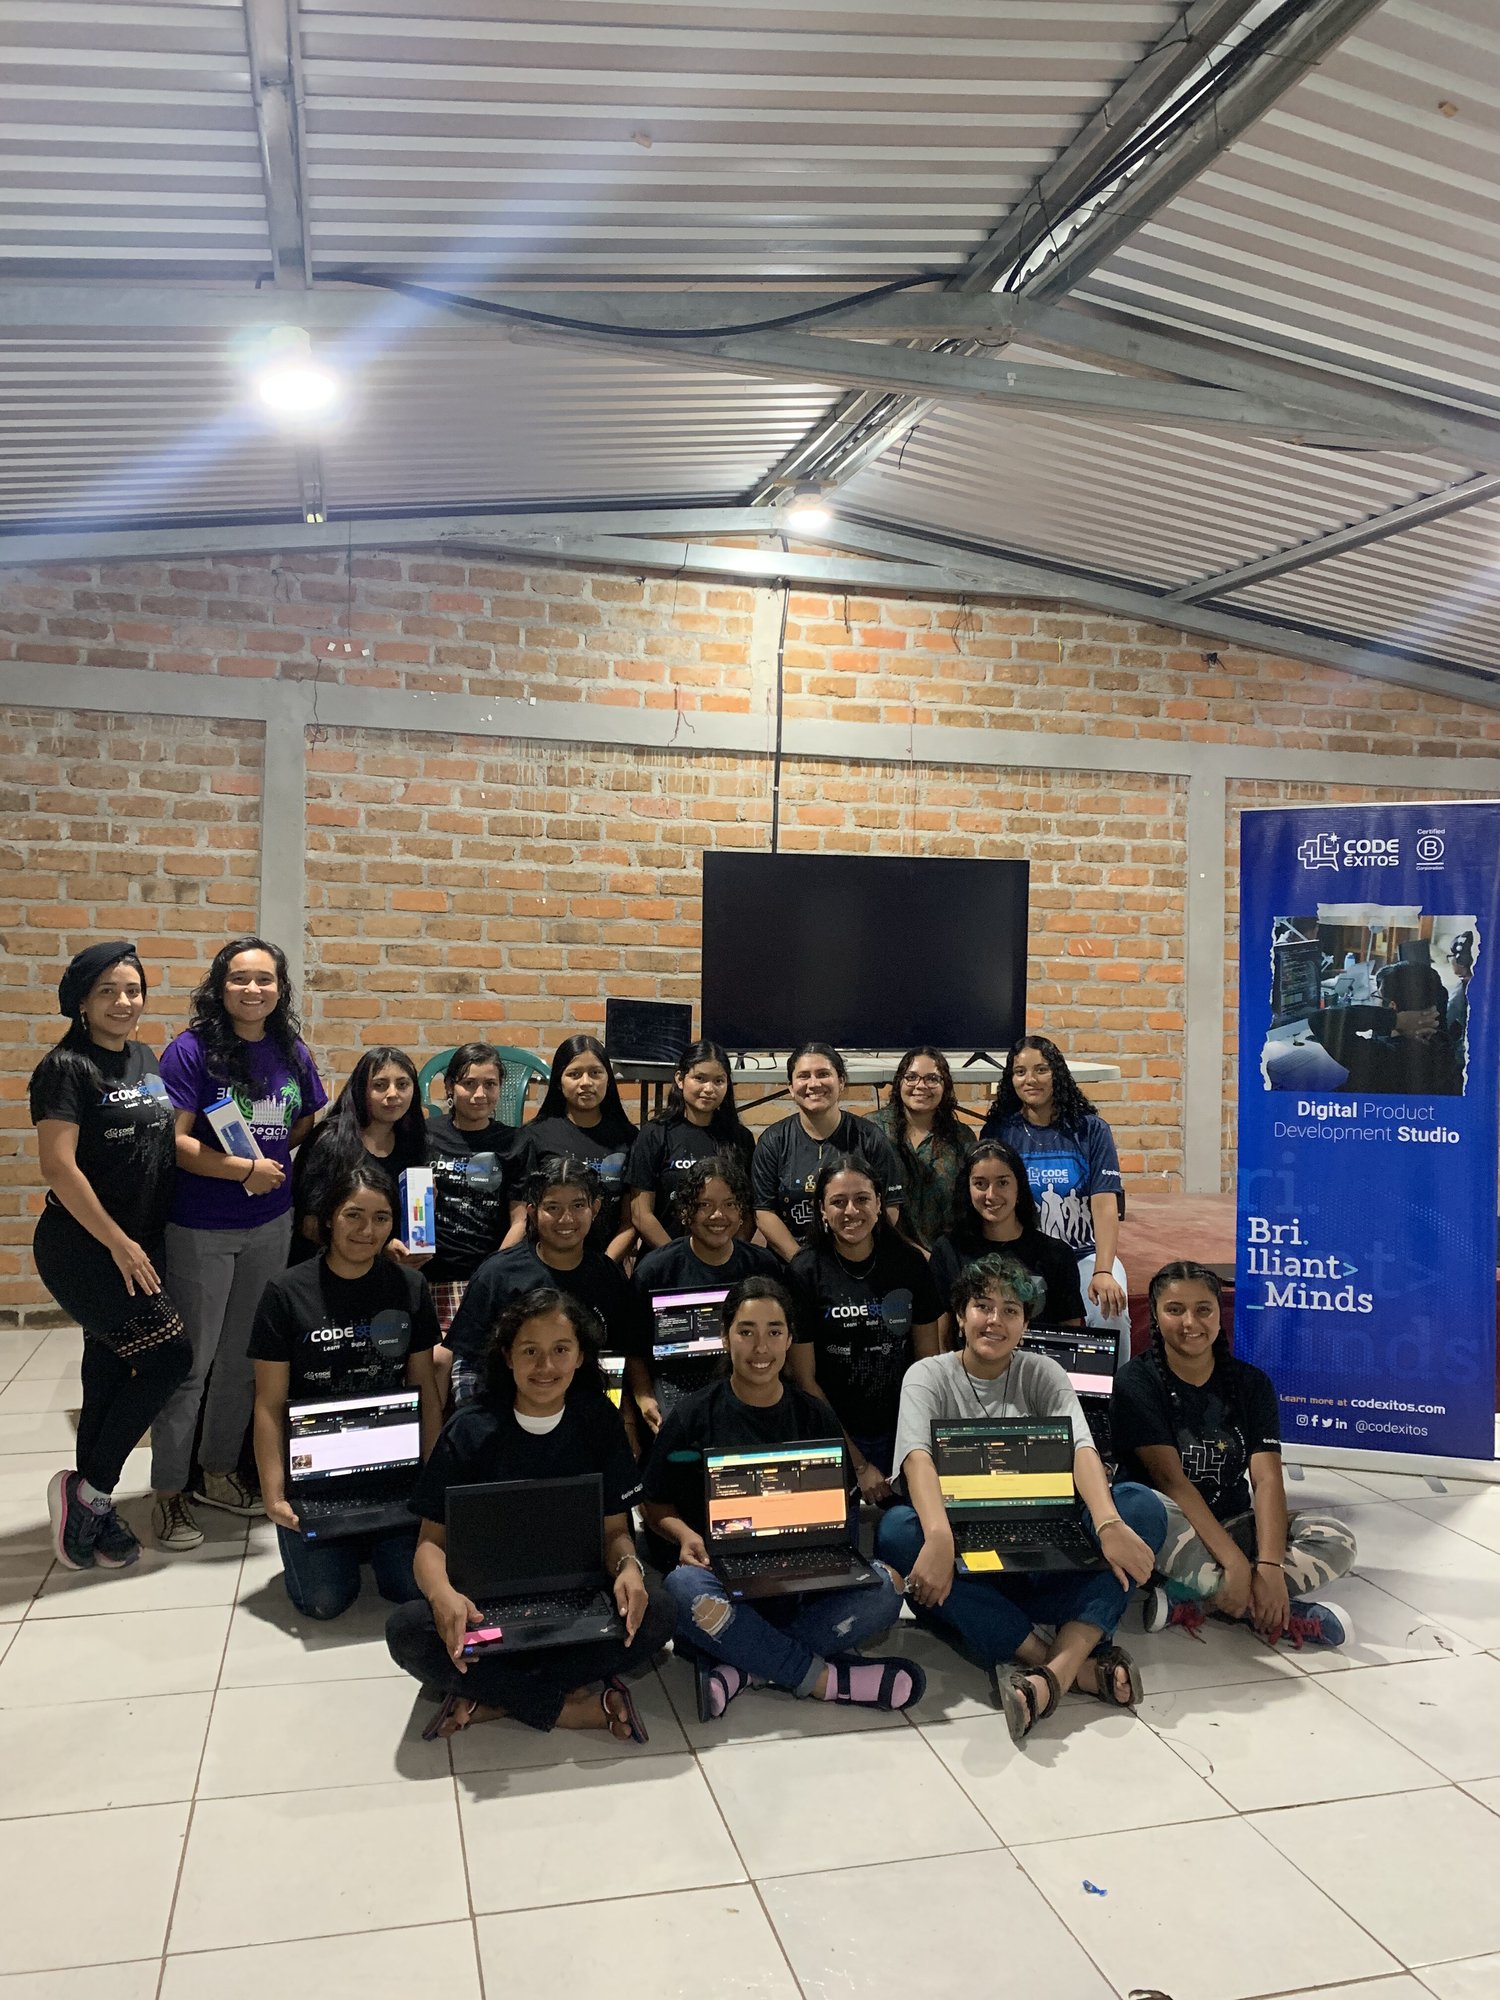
322,1578
988,1618
791,1640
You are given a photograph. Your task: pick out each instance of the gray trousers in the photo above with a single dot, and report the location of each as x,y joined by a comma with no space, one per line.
215,1278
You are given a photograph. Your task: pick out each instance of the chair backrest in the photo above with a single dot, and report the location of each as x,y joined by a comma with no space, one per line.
520,1067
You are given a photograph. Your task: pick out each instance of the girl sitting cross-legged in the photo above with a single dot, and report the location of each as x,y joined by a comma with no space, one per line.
804,1645
1202,1427
998,1619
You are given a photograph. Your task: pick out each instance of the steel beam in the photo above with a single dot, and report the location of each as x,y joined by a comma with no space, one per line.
1359,535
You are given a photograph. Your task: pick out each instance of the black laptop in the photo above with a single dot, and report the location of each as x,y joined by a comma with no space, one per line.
351,1464
687,1337
1007,1487
778,1520
530,1554
1088,1356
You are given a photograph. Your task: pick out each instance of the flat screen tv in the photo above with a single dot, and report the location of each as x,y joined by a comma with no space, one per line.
871,951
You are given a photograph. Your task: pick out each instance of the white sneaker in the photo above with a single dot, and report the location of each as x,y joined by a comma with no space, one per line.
173,1525
228,1492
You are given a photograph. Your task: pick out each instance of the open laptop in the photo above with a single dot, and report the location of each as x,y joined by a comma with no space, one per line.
647,1030
612,1368
1007,1487
1088,1356
687,1335
530,1554
778,1520
352,1464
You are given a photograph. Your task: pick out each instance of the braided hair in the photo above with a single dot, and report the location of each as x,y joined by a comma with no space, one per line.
1069,1105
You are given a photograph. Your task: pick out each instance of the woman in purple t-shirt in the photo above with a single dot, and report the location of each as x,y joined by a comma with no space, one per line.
231,1217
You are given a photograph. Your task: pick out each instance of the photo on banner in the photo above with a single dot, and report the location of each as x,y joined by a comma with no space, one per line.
1366,1246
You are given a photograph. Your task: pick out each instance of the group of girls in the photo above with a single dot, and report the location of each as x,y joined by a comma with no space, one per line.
902,1266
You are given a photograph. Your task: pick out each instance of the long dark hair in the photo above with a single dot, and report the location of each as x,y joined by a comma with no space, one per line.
333,1193
337,1147
73,1051
468,1056
499,1390
758,1287
965,1229
1185,1272
725,1124
1069,1105
819,1236
226,1054
614,1120
946,1125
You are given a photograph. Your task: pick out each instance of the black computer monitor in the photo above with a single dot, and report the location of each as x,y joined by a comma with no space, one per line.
868,951
647,1030
1297,982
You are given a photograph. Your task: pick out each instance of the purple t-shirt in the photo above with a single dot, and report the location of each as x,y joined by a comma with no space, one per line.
279,1097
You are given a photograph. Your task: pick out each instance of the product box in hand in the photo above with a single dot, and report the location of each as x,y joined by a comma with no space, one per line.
232,1129
418,1211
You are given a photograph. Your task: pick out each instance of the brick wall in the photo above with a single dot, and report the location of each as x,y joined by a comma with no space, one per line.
463,885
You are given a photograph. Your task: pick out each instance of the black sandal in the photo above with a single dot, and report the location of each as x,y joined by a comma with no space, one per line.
1107,1661
891,1670
631,1718
1016,1698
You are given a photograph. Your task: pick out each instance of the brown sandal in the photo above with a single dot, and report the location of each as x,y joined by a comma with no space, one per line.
1016,1698
1108,1660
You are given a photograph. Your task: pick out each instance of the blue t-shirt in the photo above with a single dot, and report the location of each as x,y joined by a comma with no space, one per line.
1064,1167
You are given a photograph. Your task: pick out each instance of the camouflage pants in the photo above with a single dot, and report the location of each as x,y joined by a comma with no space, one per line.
1318,1549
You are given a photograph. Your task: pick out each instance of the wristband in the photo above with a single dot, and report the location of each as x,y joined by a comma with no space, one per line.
1114,1521
1267,1562
619,1566
249,1170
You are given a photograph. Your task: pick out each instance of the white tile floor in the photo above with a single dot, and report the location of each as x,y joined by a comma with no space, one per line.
199,1797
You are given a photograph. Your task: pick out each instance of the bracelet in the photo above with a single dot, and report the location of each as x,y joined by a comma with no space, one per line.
1114,1521
1267,1562
619,1566
249,1169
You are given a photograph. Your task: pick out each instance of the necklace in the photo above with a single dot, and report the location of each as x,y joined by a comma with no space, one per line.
1003,1379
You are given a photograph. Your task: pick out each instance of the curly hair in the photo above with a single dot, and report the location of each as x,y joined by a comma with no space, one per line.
726,1167
227,1054
946,1124
1069,1105
992,1273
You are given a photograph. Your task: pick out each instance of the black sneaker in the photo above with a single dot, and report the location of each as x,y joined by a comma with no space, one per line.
75,1525
115,1547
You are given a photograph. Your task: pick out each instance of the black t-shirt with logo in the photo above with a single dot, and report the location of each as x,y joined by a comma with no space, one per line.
475,1178
127,1145
786,1163
664,1155
623,1315
1044,1256
480,1446
714,1419
1216,1426
344,1336
675,1268
606,1146
859,1318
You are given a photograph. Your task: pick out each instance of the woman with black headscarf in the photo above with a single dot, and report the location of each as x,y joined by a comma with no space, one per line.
105,1131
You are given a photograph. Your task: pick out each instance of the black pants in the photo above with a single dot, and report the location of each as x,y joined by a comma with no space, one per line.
533,1693
120,1398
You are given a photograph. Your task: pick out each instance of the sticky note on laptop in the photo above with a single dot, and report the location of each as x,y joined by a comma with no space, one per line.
980,1559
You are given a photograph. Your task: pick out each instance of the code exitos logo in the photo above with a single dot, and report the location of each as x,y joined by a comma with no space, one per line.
1326,850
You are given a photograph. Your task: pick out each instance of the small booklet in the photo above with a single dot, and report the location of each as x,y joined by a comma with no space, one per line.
232,1130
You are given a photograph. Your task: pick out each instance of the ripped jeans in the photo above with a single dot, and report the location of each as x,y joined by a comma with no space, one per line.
791,1640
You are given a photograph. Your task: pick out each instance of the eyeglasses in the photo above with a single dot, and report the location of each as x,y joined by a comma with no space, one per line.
930,1080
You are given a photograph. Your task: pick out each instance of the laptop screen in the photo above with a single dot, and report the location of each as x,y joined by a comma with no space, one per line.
1003,1466
525,1534
687,1324
612,1367
332,1440
1088,1360
787,1492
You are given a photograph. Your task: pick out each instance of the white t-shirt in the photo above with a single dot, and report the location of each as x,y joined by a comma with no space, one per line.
1030,1385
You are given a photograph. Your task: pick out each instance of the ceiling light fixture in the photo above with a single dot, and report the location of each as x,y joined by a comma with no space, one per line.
809,512
291,386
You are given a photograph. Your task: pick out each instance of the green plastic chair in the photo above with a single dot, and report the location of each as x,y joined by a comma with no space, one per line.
520,1067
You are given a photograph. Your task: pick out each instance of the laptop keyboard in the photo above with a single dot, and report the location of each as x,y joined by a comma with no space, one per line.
979,1535
803,1563
545,1607
329,1510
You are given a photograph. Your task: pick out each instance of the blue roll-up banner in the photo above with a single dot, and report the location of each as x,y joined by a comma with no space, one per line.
1365,1270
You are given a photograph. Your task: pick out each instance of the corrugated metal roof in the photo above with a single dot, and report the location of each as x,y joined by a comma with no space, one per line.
846,138
1358,219
1162,506
1435,589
